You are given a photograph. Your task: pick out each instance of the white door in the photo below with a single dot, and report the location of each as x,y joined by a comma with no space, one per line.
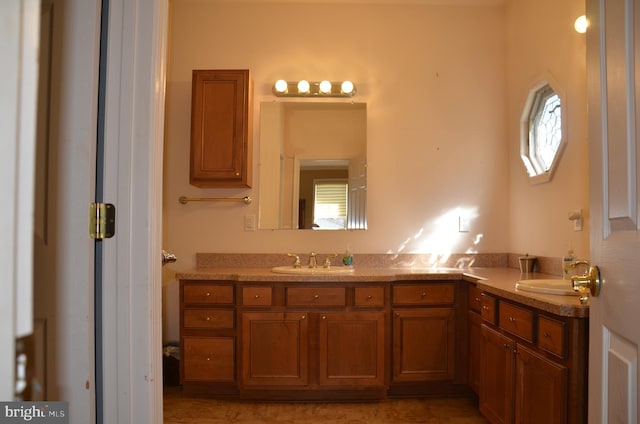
613,59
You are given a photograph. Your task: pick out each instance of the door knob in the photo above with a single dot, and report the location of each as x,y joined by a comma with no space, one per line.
587,284
168,258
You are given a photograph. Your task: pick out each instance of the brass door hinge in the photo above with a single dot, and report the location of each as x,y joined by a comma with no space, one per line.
102,220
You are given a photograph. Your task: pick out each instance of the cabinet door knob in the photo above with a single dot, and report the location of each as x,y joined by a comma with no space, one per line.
324,317
302,317
398,314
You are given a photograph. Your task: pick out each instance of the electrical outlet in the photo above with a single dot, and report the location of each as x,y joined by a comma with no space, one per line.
249,222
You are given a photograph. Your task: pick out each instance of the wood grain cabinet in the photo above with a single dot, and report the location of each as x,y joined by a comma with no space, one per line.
425,338
313,339
221,120
207,334
533,366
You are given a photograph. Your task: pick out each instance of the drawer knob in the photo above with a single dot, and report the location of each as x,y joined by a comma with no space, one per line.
478,299
208,318
302,317
257,296
423,294
512,319
369,297
324,317
208,359
547,335
486,308
398,314
207,294
317,296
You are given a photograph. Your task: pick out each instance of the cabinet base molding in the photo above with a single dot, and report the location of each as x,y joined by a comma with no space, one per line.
314,395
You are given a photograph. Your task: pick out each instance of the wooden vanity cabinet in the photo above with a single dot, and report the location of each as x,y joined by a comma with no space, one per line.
427,354
314,341
207,335
221,120
533,366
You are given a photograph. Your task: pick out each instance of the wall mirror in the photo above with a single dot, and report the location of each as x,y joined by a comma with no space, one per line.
313,159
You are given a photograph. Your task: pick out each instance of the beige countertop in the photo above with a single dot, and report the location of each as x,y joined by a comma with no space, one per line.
499,281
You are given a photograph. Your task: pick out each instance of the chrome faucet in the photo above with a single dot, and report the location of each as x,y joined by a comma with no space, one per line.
313,263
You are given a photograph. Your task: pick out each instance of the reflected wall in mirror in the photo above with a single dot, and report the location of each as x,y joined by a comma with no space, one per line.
313,163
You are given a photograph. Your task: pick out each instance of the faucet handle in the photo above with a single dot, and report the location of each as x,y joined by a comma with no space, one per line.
327,261
297,263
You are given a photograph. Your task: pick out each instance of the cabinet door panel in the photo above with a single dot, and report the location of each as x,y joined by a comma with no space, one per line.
220,128
275,349
423,344
352,349
496,376
541,389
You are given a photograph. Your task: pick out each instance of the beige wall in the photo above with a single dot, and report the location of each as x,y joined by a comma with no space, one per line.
542,45
444,87
433,78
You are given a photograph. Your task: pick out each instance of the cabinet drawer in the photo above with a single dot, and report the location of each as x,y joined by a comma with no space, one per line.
210,294
208,359
316,296
369,296
488,308
551,335
208,318
475,298
423,294
516,320
257,296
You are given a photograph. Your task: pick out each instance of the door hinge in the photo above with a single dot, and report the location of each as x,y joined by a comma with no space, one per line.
102,220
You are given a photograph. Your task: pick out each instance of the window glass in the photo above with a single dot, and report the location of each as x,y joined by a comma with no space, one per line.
330,204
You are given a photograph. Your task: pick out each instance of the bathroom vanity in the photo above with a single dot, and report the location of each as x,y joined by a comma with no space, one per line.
378,333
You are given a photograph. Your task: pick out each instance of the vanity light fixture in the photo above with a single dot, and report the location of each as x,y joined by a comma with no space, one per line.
304,88
581,24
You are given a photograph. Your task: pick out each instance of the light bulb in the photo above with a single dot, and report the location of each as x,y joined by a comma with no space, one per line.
347,87
303,86
581,24
281,86
325,87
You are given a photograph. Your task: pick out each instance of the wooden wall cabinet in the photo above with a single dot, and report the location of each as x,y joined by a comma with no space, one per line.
533,366
221,122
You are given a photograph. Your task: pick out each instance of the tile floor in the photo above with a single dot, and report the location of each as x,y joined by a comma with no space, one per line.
182,409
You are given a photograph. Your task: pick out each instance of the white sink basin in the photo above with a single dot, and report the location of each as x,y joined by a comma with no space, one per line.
547,286
289,269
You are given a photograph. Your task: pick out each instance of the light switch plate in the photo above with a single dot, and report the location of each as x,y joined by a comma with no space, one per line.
464,224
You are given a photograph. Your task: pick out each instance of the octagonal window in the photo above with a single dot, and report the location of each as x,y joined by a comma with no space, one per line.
542,133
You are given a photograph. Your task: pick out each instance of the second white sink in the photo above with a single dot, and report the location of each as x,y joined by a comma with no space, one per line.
289,269
547,286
